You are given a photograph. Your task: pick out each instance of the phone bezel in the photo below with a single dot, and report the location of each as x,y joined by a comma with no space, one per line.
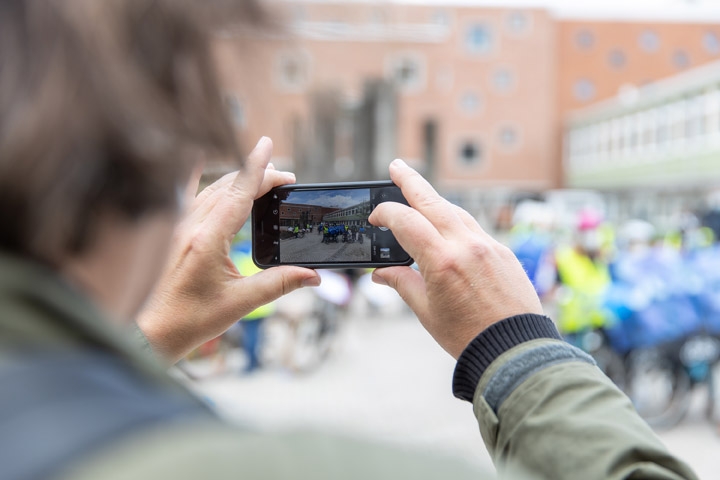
323,186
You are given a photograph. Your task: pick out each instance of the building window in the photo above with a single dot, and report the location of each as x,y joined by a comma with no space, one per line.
577,143
584,39
649,41
503,80
618,137
508,138
444,79
677,120
584,90
607,139
647,139
298,13
711,42
441,17
662,130
518,22
470,153
633,127
616,58
470,103
407,72
601,140
694,118
337,25
344,167
681,59
478,39
236,110
293,70
378,17
712,109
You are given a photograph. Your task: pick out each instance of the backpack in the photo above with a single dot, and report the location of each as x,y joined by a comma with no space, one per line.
56,408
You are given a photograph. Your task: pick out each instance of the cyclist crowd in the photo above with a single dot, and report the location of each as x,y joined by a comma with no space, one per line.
618,290
331,232
668,283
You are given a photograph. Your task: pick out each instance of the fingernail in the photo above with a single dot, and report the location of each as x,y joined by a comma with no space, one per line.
262,141
271,166
312,281
398,162
289,175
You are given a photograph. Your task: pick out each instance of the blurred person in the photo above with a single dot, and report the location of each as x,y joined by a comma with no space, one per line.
532,243
584,277
252,323
711,217
89,203
647,294
690,234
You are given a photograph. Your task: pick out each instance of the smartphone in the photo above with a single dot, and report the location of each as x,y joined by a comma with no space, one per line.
325,226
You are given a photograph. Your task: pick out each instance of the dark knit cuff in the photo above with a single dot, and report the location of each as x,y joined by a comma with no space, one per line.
492,342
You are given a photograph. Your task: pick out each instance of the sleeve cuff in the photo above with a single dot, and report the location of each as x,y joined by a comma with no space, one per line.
493,342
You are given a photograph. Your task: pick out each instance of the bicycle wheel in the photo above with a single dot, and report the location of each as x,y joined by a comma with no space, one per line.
659,388
612,365
713,411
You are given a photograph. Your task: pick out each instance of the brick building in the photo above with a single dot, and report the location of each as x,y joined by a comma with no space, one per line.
599,59
292,214
475,97
353,215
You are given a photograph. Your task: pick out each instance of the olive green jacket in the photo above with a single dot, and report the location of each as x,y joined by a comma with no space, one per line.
540,417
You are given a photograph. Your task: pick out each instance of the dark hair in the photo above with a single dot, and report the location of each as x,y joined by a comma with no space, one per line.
102,105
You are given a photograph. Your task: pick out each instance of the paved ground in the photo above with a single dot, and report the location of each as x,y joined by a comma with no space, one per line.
311,249
388,381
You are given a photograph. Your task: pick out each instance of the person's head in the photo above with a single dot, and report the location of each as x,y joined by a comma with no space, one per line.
589,238
636,235
104,108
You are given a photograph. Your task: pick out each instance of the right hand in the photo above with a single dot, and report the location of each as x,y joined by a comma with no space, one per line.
467,280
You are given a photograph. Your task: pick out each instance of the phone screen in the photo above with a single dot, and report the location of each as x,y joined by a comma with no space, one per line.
325,226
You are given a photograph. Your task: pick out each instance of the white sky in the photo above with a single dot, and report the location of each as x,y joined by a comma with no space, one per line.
668,10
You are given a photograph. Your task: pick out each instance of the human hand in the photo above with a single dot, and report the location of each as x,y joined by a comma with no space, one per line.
467,280
201,293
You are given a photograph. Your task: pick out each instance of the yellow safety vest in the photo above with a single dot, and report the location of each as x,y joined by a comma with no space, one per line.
247,267
585,281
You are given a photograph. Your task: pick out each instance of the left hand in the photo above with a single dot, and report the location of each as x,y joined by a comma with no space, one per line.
201,293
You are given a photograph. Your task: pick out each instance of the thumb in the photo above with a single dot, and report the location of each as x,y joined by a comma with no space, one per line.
408,282
271,284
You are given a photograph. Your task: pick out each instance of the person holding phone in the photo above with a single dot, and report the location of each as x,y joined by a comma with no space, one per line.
94,305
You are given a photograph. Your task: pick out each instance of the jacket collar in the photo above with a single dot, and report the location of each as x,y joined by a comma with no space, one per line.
41,310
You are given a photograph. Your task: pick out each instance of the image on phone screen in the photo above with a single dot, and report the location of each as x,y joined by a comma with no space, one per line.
337,218
316,226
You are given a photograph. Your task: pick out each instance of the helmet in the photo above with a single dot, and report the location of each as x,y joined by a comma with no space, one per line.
637,231
588,219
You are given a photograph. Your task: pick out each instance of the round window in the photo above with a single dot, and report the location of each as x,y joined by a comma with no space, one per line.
649,41
584,90
584,39
681,59
508,137
470,153
616,58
